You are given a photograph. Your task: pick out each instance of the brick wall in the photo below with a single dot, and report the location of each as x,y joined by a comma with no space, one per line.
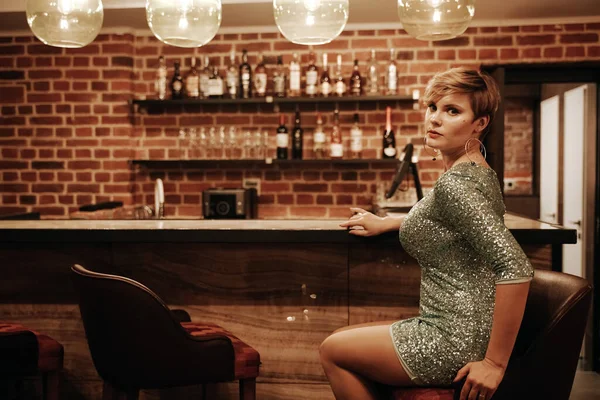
67,134
518,141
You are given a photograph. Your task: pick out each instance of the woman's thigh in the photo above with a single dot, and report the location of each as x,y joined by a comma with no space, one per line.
367,351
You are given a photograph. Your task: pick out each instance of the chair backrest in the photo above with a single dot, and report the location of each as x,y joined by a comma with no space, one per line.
134,339
545,356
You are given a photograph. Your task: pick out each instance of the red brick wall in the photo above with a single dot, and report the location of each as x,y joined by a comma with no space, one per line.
66,133
518,142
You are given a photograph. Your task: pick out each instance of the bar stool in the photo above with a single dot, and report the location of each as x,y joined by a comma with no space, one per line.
546,352
25,352
136,342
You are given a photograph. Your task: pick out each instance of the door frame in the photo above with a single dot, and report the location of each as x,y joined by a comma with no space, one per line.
506,74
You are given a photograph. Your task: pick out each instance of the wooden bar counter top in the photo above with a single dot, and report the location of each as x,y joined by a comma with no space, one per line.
281,286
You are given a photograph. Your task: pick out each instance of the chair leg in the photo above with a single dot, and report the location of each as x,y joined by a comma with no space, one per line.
248,389
110,392
51,382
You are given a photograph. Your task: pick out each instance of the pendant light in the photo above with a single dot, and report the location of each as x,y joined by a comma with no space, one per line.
184,23
310,22
65,23
435,19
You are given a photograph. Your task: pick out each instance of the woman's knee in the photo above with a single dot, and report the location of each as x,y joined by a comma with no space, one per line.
329,347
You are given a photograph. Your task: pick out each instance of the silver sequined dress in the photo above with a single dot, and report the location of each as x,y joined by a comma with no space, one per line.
458,236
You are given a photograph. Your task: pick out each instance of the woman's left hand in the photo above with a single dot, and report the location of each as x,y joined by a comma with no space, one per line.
483,378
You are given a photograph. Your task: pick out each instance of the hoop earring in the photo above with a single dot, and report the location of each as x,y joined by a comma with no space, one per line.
481,149
435,155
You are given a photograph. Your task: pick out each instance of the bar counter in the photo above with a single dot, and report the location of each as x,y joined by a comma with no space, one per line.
281,286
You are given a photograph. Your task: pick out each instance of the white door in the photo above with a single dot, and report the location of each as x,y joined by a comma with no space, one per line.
549,128
573,167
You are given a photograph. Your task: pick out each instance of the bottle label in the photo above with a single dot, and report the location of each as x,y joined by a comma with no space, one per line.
392,80
279,84
215,87
232,83
295,80
337,150
204,85
282,140
340,88
390,151
311,78
245,77
261,83
177,86
191,86
319,137
325,88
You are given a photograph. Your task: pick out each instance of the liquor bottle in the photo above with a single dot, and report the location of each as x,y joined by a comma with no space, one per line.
294,77
232,77
215,84
192,81
336,149
204,77
160,85
260,78
340,83
297,136
373,76
319,139
177,83
282,139
389,140
356,134
392,74
312,76
355,81
325,79
279,78
245,77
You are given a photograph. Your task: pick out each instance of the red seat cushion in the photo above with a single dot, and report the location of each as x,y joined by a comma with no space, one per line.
247,359
51,353
423,394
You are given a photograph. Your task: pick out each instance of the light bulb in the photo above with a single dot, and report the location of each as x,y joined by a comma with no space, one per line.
435,19
310,22
65,23
184,23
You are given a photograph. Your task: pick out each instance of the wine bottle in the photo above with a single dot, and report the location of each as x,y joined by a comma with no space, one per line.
177,83
297,138
389,140
340,83
160,85
355,81
319,139
336,149
260,78
245,77
279,78
294,77
373,76
192,81
356,134
232,77
325,79
392,75
312,76
282,139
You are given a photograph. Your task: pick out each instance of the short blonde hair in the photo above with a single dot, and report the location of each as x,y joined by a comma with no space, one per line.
481,88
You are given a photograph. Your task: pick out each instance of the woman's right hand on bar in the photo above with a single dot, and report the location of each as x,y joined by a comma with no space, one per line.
364,223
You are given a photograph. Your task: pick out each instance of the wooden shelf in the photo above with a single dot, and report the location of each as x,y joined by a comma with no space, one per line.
202,163
273,100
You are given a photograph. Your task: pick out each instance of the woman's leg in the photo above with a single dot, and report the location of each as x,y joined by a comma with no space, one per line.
353,356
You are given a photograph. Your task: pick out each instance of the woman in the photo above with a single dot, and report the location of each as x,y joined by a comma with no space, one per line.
474,276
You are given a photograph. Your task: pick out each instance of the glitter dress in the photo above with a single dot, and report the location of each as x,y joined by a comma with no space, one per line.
458,236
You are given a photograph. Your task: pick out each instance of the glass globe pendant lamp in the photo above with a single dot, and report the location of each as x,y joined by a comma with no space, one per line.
310,22
184,23
435,19
65,23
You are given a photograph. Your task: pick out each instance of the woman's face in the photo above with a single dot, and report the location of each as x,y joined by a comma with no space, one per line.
449,123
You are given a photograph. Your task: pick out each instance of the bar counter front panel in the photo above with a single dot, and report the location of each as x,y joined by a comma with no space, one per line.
282,286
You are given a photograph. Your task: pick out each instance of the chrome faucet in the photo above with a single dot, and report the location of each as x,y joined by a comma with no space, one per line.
159,199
